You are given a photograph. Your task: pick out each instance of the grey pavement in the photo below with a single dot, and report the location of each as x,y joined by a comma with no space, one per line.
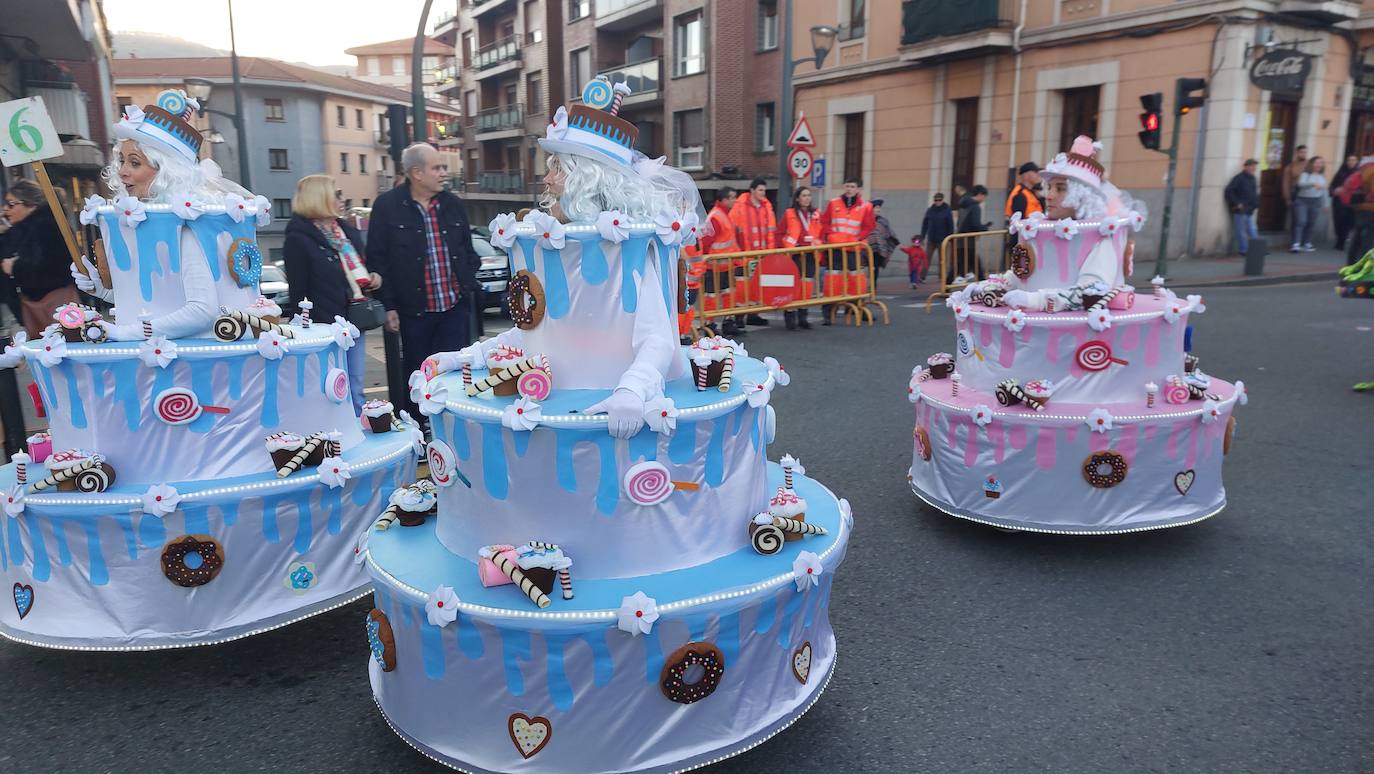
1241,644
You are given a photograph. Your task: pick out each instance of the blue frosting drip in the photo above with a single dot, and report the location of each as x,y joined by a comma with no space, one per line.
4,554
440,426
42,569
332,500
559,688
608,483
522,443
494,473
595,270
603,666
515,645
229,512
469,639
728,636
269,394
305,530
197,519
117,246
564,442
432,650
16,541
126,525
235,366
644,445
633,252
696,627
526,248
362,493
98,371
683,448
653,656
150,233
78,407
555,284
152,533
207,229
100,575
163,378
270,533
715,453
50,391
126,391
324,357
789,614
64,552
667,274
300,374
768,609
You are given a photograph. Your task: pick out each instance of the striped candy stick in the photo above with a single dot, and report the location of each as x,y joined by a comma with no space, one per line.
564,576
618,94
305,306
294,464
388,517
1103,301
502,376
797,527
21,468
726,373
60,476
258,324
512,571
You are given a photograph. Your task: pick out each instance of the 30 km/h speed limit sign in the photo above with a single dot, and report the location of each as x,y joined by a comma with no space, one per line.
799,161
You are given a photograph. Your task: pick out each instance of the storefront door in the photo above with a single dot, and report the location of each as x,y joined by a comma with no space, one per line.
1278,151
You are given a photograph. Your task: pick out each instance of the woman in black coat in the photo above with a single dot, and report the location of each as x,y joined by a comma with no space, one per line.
34,255
324,263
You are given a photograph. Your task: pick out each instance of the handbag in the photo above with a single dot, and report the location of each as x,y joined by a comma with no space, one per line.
367,313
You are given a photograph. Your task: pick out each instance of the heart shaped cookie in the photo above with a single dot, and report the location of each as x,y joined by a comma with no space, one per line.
529,734
1184,481
23,599
801,663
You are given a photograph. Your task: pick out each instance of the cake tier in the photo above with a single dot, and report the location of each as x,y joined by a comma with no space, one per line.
1056,261
1026,470
564,482
145,259
103,398
1049,345
598,298
87,571
505,675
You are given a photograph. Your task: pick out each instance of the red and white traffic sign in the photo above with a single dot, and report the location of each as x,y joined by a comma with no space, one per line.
801,136
799,161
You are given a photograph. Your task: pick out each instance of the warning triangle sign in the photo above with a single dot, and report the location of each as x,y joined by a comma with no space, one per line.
801,136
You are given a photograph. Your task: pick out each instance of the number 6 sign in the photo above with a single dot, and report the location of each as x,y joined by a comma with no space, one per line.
26,132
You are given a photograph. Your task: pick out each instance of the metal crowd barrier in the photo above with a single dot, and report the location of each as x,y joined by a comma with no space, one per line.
838,276
979,253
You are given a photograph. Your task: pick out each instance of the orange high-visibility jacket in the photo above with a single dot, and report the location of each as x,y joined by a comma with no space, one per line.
1032,204
841,224
799,230
756,228
722,238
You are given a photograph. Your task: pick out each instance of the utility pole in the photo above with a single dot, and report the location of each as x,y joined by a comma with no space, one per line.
241,127
1184,101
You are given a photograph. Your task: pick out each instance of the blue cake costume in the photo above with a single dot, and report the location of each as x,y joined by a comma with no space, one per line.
602,591
150,515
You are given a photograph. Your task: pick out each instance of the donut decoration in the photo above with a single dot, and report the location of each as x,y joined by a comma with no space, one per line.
94,334
1105,469
180,406
1023,260
1230,432
535,384
694,654
381,640
71,316
649,483
1096,355
192,560
923,448
336,385
525,297
245,262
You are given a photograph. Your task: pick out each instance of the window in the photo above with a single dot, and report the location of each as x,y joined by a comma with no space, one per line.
531,17
853,27
367,202
579,70
374,65
358,118
511,90
276,158
689,134
765,128
398,65
534,94
1080,114
281,209
343,162
339,115
470,104
467,49
348,205
123,103
768,25
385,159
578,9
688,45
854,145
428,63
274,109
362,163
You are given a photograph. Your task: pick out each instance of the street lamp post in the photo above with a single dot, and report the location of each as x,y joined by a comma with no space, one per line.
199,89
417,78
822,39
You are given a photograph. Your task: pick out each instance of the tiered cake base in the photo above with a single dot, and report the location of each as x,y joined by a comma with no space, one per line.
510,687
87,570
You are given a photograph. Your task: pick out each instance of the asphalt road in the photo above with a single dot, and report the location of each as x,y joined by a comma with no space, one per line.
1245,643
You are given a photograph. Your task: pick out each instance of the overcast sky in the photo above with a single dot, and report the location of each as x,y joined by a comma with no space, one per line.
292,30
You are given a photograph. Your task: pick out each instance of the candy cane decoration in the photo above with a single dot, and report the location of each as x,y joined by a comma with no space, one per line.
294,464
954,381
467,373
512,571
502,376
146,320
798,527
701,376
1103,301
726,373
306,305
61,476
1150,389
21,468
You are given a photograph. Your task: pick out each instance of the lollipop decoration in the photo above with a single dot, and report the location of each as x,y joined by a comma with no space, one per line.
535,384
649,483
598,93
180,406
1096,355
336,385
964,341
443,465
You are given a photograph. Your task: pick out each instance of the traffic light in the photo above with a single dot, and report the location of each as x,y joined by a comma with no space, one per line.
396,131
1184,99
1150,123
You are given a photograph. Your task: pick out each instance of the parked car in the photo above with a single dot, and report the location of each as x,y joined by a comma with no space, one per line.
273,286
493,273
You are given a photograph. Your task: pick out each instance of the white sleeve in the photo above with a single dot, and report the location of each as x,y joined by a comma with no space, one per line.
655,341
1101,265
198,314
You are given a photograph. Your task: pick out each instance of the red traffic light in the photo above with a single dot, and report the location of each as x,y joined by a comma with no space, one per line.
1150,121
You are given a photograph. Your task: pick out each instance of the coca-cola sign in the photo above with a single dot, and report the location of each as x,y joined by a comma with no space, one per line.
1281,70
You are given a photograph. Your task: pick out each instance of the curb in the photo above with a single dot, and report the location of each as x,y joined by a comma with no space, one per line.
1278,279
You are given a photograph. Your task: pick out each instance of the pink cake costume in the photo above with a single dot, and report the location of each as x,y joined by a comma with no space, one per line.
1071,407
612,461
219,489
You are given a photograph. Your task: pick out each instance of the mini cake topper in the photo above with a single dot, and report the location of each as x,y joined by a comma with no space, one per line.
588,130
166,124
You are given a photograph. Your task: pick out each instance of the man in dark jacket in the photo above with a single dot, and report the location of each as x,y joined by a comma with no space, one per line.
1242,199
937,224
419,241
964,266
1342,216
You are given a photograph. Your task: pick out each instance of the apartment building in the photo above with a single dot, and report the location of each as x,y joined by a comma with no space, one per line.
922,95
389,64
705,76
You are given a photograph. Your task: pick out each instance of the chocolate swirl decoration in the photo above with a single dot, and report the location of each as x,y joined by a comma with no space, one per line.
229,328
767,539
95,479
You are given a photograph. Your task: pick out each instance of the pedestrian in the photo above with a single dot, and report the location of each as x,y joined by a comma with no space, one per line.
801,227
1022,196
1357,193
1308,201
881,239
1291,173
936,225
1342,216
970,221
1242,199
721,239
324,263
34,255
846,219
420,242
756,228
917,260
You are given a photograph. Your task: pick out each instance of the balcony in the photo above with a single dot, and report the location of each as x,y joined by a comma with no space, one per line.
502,181
447,78
933,29
614,15
496,58
446,27
495,123
449,132
644,79
484,7
1321,11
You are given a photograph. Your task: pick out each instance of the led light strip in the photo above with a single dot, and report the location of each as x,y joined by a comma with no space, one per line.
1038,416
205,208
305,345
470,409
987,316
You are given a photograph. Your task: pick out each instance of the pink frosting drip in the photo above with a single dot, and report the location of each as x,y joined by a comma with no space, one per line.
971,442
1052,344
1149,433
1018,436
999,441
1171,448
1130,340
985,333
1007,352
1044,448
1071,433
1193,444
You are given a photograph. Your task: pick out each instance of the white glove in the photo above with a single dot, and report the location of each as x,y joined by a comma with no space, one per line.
1020,299
83,283
125,332
625,411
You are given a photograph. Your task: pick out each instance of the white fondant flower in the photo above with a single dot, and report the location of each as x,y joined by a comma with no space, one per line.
1099,420
88,212
613,225
523,414
334,472
1195,304
661,415
236,207
1099,319
962,310
1137,221
1157,281
758,395
960,296
360,545
670,228
157,352
1109,225
160,500
982,415
1242,394
271,345
846,513
550,233
807,569
264,207
692,225
13,356
14,500
1174,309
1028,226
131,211
1014,321
779,373
442,606
133,114
433,398
1066,228
345,333
637,614
54,349
417,384
188,207
502,228
1211,412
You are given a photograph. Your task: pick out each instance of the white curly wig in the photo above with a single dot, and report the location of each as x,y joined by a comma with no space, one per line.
1088,203
591,187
